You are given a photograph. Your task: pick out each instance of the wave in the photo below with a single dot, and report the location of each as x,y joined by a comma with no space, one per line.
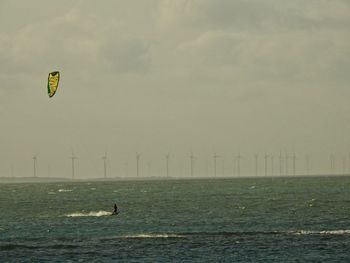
11,246
64,190
164,235
323,232
92,213
233,234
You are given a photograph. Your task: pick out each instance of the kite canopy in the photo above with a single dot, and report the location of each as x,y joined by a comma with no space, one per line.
52,83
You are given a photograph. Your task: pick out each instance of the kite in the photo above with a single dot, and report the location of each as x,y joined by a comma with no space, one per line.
52,83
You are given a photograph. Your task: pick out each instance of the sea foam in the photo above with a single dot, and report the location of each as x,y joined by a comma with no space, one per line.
160,235
92,213
64,190
324,232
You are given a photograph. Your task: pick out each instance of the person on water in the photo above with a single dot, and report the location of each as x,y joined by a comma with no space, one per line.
115,209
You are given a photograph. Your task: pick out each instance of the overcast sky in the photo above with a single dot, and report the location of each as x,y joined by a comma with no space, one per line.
158,76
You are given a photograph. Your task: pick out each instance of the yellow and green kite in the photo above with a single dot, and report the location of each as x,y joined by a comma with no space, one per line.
52,83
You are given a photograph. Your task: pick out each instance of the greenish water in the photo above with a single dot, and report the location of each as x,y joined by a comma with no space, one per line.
227,220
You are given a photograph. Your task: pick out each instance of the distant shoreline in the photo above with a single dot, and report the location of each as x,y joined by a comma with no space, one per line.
4,180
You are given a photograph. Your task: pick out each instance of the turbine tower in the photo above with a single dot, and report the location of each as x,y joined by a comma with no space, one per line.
35,157
167,156
105,165
138,155
73,157
239,157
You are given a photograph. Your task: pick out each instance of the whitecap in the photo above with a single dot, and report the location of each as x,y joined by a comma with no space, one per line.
335,232
92,213
153,236
64,190
324,232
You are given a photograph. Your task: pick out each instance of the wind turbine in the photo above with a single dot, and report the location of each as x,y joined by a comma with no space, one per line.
167,156
138,155
239,157
35,157
105,165
73,157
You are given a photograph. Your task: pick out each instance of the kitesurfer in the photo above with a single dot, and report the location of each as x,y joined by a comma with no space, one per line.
115,211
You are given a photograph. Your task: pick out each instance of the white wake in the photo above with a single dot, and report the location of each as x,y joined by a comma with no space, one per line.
92,213
153,236
324,232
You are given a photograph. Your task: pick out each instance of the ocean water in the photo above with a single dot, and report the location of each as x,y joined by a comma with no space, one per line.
223,220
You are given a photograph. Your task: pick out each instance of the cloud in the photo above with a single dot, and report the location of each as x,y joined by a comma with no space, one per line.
270,42
127,55
184,20
212,49
76,42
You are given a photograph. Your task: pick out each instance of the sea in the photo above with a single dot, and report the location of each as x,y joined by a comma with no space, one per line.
177,220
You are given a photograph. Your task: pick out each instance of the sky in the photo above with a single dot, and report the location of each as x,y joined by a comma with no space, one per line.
173,76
